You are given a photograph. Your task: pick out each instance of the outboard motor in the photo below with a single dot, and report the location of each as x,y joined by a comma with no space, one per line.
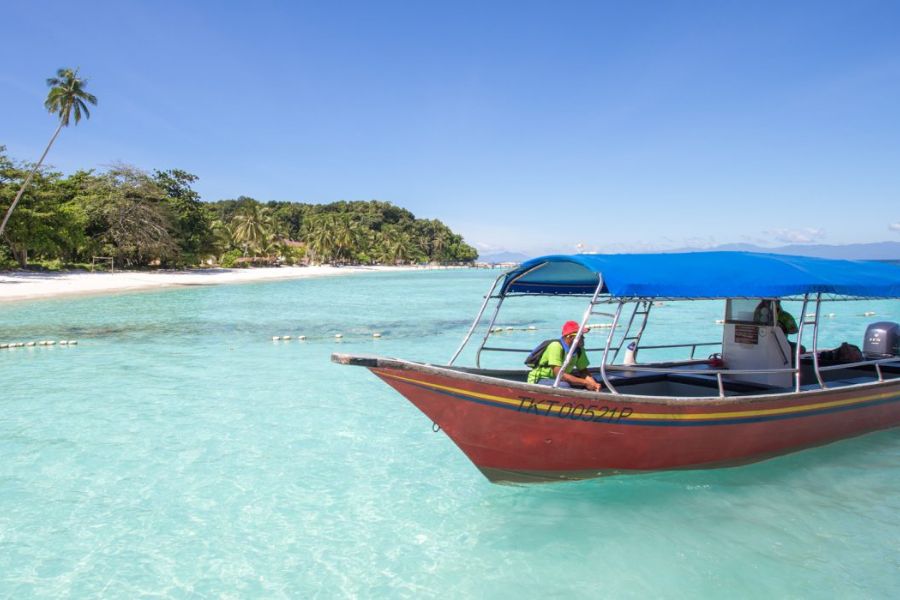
882,340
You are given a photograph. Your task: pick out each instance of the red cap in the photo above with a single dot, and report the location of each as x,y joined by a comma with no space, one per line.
571,327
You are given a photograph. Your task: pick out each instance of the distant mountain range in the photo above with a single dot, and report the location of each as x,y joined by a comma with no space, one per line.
872,251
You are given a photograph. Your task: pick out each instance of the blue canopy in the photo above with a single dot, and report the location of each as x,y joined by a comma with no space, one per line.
702,275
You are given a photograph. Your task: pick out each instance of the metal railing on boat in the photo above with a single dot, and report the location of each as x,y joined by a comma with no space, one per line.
692,346
719,373
642,308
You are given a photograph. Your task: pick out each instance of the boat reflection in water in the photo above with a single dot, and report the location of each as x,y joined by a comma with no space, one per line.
757,397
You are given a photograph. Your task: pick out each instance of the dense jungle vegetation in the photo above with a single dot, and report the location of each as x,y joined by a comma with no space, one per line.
144,219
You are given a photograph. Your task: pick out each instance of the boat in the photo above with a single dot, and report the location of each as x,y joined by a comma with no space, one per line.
754,396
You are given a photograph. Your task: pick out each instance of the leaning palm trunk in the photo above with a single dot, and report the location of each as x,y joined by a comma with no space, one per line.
66,98
28,179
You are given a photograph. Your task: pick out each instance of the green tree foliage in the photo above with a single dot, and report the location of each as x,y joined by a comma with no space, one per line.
191,219
252,228
46,224
129,217
158,219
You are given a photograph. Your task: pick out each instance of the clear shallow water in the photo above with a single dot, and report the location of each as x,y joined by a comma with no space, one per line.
178,451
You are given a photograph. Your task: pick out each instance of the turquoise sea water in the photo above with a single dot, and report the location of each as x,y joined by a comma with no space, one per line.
178,452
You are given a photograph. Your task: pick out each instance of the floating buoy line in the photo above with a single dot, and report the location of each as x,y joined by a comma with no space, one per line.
376,335
532,328
32,344
501,329
303,338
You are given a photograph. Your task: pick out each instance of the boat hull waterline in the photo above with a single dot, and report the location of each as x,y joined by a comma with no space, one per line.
520,433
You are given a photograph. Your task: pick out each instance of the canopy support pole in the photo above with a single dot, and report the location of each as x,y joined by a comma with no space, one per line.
484,304
636,338
815,346
797,382
609,339
815,342
487,333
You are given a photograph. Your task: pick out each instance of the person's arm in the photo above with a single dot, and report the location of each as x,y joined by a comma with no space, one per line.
581,379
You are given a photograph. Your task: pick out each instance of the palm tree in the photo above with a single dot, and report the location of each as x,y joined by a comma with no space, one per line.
223,238
251,227
320,238
347,237
438,244
67,99
395,246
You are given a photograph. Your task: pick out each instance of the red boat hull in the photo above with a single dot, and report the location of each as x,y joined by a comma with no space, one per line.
516,432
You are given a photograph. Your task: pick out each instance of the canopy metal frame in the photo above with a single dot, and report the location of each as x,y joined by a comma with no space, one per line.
611,352
487,298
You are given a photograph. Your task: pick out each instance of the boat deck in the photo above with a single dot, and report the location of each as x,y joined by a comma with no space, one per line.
697,379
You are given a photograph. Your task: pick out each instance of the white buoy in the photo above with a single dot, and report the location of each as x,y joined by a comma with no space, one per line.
51,343
869,313
285,337
376,335
2,346
830,315
301,337
720,321
509,328
810,315
531,328
29,343
40,343
338,336
73,342
276,338
20,344
63,342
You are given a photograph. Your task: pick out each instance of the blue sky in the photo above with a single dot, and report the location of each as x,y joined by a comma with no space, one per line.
528,126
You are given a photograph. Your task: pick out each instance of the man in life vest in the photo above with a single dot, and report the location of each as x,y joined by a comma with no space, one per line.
785,320
551,361
788,325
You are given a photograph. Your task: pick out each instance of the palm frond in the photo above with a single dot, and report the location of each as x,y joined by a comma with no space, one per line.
67,95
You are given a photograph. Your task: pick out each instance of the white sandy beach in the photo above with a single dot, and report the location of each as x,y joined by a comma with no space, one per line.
15,285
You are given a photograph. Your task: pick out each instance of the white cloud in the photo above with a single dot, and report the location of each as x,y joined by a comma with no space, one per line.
894,226
807,235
